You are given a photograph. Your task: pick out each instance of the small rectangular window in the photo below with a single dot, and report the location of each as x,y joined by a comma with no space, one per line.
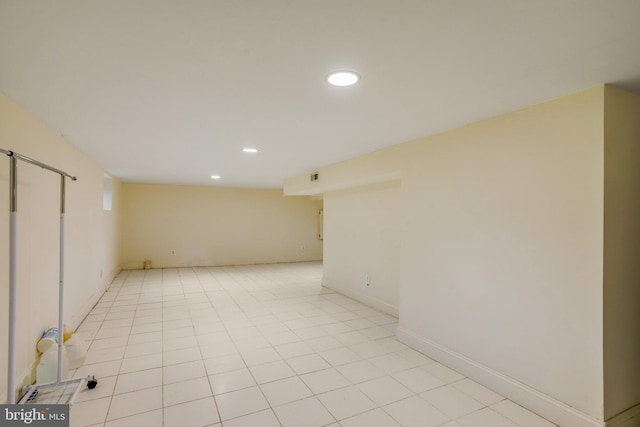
107,195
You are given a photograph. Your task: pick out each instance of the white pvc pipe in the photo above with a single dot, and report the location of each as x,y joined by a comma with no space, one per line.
61,283
11,382
13,256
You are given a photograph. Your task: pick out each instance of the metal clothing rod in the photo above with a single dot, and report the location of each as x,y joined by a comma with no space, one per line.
37,163
13,223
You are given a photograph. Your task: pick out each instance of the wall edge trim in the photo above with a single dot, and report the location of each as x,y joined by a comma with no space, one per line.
625,416
376,303
534,400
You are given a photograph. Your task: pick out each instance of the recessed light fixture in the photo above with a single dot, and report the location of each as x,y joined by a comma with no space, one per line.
215,177
250,150
343,78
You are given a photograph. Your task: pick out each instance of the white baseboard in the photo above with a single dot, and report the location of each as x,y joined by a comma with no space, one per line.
78,317
378,304
628,418
534,400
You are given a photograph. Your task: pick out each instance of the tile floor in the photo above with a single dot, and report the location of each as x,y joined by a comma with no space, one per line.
263,346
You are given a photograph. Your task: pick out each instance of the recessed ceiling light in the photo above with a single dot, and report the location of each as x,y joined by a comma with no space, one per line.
250,150
343,78
215,177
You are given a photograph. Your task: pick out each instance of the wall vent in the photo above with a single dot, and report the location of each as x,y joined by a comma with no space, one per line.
314,176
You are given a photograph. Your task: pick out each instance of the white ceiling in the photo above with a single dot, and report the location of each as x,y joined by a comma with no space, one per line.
161,91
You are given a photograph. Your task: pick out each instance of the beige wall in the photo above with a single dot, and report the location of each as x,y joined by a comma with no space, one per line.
502,250
91,241
362,227
191,226
503,245
621,251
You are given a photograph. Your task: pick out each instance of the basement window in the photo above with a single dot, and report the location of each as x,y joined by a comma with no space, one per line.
107,194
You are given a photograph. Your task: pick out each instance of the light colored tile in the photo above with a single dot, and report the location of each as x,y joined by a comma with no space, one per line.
322,319
352,338
264,418
324,343
383,319
181,356
294,349
285,391
196,413
231,381
107,343
325,380
451,401
418,380
296,324
118,323
147,320
145,337
99,370
357,372
520,415
183,371
216,350
180,343
378,332
445,374
260,356
124,405
230,362
89,412
96,316
384,390
370,349
485,418
138,380
104,355
119,315
346,402
374,418
283,337
242,402
345,316
141,363
146,419
103,389
336,328
170,330
392,344
142,349
415,412
307,412
143,329
185,391
305,364
310,333
339,356
246,343
360,324
391,363
478,392
271,372
212,337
